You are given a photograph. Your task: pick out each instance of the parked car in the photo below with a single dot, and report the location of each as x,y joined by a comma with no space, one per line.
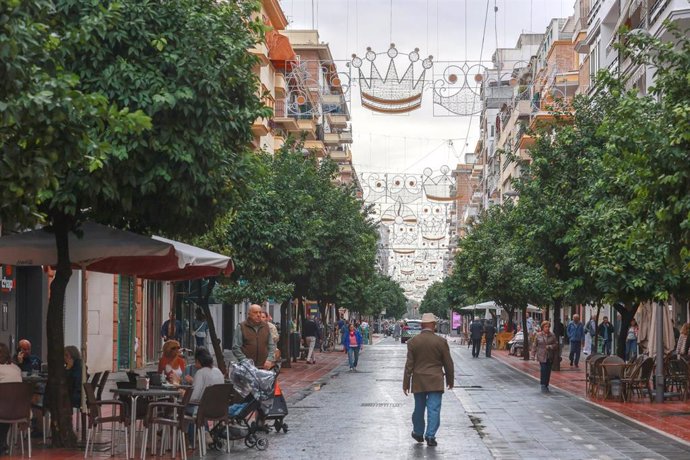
411,328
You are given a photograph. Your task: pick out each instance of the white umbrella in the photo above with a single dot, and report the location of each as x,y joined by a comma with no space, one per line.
491,305
109,250
668,337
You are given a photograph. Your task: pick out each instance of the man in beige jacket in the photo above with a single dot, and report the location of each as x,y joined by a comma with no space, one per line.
428,359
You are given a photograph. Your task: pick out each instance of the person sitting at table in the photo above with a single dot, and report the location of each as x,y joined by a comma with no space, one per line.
206,375
26,361
171,363
9,373
73,365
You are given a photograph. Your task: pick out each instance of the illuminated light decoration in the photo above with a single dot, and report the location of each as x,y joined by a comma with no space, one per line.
438,187
392,93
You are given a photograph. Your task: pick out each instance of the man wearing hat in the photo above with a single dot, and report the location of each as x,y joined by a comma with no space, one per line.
428,359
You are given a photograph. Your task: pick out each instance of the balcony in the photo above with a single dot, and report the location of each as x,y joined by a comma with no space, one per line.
346,137
340,156
332,99
307,126
280,85
331,138
315,146
260,127
261,52
336,121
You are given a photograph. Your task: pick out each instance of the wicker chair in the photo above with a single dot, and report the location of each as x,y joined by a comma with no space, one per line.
638,379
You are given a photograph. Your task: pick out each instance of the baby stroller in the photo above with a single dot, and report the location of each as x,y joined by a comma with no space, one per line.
252,406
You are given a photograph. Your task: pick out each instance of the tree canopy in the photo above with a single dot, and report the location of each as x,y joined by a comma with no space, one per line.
131,113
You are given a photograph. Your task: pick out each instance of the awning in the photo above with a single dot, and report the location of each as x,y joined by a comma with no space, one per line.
279,49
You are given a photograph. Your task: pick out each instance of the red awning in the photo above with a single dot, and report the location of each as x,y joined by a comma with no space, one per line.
279,49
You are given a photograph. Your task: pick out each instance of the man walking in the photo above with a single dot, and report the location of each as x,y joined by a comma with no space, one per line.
576,335
309,333
428,359
489,334
476,331
253,340
606,333
171,328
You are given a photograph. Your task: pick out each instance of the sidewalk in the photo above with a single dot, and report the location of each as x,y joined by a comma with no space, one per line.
671,418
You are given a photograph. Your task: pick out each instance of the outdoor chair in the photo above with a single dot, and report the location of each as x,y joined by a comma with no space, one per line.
639,379
213,407
592,371
15,409
677,377
96,379
101,385
96,419
167,415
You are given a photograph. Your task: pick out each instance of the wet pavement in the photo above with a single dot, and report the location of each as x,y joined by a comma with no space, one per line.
494,411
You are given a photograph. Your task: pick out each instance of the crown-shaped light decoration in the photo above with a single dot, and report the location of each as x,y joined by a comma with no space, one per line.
391,93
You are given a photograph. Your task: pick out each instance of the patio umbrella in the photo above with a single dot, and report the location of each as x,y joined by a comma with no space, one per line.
644,320
668,337
108,250
101,248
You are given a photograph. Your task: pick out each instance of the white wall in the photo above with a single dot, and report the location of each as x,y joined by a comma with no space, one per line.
100,326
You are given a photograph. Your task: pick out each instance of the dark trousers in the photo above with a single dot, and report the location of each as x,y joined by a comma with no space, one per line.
4,429
575,352
545,373
476,346
489,346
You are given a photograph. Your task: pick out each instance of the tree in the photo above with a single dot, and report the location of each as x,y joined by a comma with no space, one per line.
299,228
491,264
132,113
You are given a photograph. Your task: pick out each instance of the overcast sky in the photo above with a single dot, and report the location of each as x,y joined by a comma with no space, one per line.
450,30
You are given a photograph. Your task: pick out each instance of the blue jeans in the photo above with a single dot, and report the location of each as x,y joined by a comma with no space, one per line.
431,401
575,352
630,349
607,347
353,356
545,373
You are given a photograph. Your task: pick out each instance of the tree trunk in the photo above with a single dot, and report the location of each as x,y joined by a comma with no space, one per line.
595,339
58,396
215,342
511,313
525,335
558,328
285,334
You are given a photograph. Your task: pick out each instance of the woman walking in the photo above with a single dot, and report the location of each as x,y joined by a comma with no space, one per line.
352,341
546,349
631,341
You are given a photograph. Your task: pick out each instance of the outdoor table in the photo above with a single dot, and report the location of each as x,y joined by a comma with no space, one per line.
34,378
623,366
134,395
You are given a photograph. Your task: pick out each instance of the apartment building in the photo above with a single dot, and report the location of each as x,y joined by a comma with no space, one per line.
503,89
315,105
604,18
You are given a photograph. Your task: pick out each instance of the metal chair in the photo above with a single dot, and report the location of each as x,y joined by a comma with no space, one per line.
15,409
170,415
211,409
677,377
96,419
101,385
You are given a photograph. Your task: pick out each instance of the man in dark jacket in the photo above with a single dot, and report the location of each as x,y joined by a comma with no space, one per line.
489,334
606,333
476,331
310,332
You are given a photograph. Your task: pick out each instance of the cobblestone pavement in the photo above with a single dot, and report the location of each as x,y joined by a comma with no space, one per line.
494,412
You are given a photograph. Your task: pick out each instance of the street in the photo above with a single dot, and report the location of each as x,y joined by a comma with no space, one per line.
493,412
